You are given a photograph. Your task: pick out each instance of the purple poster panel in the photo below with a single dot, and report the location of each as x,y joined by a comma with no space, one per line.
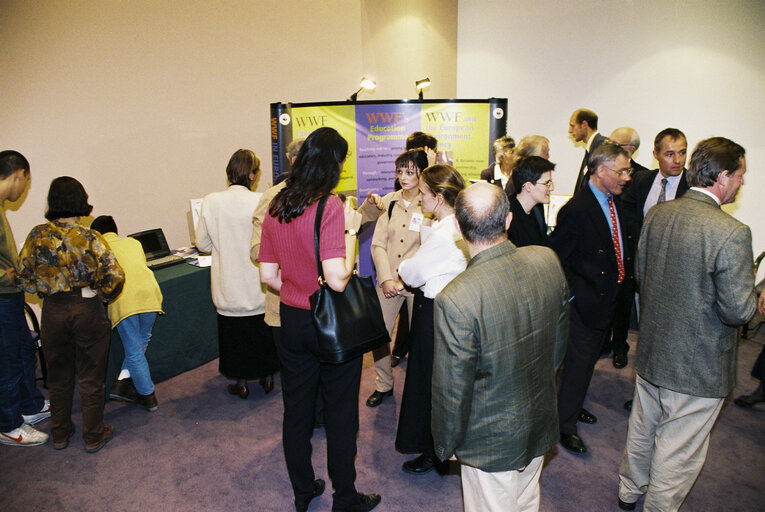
381,132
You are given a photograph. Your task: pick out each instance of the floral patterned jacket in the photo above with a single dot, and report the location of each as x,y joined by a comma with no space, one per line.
63,256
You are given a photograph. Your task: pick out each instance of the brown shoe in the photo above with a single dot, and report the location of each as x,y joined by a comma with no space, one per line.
123,391
108,434
148,402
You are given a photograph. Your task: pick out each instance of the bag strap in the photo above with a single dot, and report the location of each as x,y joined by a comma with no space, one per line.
390,208
316,229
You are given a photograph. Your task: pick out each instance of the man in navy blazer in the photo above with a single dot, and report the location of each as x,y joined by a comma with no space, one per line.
583,127
590,228
696,278
670,149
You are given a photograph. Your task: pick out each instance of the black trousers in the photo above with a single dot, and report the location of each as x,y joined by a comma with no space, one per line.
583,351
621,324
303,376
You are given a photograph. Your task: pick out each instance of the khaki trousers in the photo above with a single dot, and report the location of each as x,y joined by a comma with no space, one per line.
390,308
666,447
502,491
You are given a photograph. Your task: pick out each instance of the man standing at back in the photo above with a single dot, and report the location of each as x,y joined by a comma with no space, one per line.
501,329
583,127
21,403
695,272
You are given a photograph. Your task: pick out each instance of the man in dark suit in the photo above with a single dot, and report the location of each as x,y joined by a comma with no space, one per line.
594,244
663,184
501,329
503,152
629,140
583,127
686,356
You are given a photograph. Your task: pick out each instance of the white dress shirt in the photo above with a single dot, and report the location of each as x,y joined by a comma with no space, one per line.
669,193
441,257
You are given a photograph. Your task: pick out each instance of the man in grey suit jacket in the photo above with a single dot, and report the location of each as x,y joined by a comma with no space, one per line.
695,272
500,333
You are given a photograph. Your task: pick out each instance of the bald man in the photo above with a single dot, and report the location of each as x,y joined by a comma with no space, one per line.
506,316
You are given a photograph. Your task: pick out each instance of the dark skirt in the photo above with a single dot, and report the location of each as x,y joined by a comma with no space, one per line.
246,347
413,435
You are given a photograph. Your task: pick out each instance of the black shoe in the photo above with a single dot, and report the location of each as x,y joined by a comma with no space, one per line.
318,490
625,505
573,443
365,503
148,402
420,465
394,361
123,391
586,416
620,361
376,398
747,401
628,405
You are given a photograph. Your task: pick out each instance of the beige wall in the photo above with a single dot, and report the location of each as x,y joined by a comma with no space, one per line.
144,102
649,64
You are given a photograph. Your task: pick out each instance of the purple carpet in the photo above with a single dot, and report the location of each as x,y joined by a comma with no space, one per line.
205,450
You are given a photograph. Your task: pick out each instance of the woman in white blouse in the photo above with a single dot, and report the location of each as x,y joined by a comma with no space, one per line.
440,258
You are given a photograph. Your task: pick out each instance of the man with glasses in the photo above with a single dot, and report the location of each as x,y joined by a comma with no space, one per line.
532,178
595,244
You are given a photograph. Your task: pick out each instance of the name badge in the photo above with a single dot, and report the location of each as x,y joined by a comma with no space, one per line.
416,222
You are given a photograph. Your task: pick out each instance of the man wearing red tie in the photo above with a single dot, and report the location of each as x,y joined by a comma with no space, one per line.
594,241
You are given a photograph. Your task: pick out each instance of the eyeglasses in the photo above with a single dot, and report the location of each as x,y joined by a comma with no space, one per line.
621,172
548,183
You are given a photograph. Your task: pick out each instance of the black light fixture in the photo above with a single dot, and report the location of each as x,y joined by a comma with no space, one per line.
365,85
421,84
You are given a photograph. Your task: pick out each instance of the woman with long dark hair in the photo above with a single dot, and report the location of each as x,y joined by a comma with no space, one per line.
72,268
441,257
245,342
288,265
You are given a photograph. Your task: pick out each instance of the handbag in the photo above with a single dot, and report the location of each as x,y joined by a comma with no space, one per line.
348,323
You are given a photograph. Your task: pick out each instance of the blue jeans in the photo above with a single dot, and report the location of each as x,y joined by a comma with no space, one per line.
135,332
18,392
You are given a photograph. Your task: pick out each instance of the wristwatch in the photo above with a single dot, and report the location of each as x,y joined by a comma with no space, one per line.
351,232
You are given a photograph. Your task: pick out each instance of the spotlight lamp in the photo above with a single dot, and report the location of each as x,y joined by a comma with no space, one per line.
422,84
365,85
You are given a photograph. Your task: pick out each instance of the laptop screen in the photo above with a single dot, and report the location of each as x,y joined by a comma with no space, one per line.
153,242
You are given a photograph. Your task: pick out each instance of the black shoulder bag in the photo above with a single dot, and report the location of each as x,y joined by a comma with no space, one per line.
348,323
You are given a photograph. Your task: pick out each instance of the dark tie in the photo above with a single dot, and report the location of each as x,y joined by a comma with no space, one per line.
663,193
615,239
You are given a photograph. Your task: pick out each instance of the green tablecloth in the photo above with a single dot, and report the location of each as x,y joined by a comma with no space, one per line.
186,336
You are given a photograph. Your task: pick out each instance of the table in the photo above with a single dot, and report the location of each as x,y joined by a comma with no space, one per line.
186,336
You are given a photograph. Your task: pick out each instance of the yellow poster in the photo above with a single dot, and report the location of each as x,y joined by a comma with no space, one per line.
462,130
341,118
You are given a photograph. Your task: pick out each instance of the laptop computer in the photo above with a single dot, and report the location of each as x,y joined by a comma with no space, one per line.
155,248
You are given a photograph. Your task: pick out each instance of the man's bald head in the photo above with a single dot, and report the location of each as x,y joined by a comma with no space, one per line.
482,214
627,138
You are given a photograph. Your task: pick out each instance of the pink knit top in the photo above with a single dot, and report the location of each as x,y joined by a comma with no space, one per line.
291,246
